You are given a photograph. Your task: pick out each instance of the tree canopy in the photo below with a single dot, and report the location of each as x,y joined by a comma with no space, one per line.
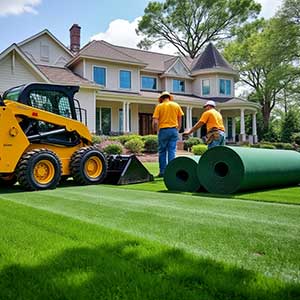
264,52
190,24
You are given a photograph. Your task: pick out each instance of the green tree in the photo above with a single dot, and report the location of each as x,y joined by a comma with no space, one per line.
189,24
291,11
264,52
290,126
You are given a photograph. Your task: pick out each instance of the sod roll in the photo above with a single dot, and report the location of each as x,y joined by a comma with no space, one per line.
181,174
225,170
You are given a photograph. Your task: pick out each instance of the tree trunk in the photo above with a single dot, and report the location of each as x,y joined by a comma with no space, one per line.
266,112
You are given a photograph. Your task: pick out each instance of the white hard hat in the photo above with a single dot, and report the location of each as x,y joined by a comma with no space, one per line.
210,103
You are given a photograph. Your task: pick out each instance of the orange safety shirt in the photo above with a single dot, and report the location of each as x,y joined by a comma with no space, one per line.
167,114
213,119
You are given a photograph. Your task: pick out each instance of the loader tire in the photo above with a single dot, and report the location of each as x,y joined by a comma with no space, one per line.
39,169
8,180
88,166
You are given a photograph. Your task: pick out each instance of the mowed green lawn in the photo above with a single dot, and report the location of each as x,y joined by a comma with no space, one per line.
106,242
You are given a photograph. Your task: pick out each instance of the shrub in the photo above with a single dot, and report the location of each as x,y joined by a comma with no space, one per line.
190,142
96,139
111,147
123,139
255,146
288,146
199,149
267,146
151,143
135,145
296,138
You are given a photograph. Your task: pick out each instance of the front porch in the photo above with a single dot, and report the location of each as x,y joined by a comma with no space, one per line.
120,116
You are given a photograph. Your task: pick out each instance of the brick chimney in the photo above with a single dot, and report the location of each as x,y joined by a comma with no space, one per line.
75,38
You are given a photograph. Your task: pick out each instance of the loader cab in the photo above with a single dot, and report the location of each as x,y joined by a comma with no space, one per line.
57,99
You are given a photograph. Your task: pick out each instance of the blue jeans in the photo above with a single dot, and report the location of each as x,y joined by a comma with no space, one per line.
219,142
167,139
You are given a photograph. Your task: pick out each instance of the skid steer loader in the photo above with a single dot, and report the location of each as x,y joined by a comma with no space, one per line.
42,138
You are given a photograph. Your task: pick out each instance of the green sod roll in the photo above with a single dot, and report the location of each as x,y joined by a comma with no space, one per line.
181,174
226,170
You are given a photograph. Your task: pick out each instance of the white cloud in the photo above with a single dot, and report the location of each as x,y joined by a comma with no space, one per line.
17,7
122,32
269,7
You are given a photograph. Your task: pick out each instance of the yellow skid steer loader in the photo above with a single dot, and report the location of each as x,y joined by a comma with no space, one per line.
42,138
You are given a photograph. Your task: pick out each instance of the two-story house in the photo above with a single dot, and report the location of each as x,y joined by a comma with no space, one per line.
119,86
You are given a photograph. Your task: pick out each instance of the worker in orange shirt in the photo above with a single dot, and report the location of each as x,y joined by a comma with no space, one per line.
167,121
214,123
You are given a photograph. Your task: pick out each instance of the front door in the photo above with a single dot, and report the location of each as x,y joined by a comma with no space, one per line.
145,124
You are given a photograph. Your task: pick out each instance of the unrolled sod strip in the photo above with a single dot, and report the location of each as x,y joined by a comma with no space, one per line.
225,170
181,174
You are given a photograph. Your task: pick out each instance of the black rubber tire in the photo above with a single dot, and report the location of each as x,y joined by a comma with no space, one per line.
27,164
78,169
8,181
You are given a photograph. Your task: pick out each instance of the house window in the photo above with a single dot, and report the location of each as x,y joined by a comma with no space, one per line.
121,116
149,83
225,87
103,120
178,85
205,87
100,75
125,79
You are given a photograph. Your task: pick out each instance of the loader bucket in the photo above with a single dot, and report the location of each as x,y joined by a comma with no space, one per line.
126,169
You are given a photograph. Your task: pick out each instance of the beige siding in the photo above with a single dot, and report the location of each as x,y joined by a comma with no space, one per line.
45,51
112,75
197,85
87,99
18,74
78,69
214,84
178,69
188,85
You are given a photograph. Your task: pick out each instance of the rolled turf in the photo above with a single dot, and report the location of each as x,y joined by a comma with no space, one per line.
225,170
181,174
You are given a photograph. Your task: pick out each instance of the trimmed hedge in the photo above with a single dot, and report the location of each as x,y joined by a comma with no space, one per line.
151,143
199,149
97,139
190,142
111,147
135,145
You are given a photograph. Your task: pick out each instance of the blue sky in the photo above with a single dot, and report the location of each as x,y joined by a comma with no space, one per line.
112,20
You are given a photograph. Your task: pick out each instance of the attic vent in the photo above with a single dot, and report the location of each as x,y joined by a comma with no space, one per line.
44,52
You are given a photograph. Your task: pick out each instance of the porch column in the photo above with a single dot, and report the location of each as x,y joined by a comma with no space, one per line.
190,117
127,118
242,133
233,129
254,128
124,117
226,126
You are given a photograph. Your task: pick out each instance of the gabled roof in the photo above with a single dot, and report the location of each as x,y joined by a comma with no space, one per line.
47,32
105,51
64,76
155,61
211,59
14,47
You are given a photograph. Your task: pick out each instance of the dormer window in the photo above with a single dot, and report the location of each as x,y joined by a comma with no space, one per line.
225,87
205,87
178,86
